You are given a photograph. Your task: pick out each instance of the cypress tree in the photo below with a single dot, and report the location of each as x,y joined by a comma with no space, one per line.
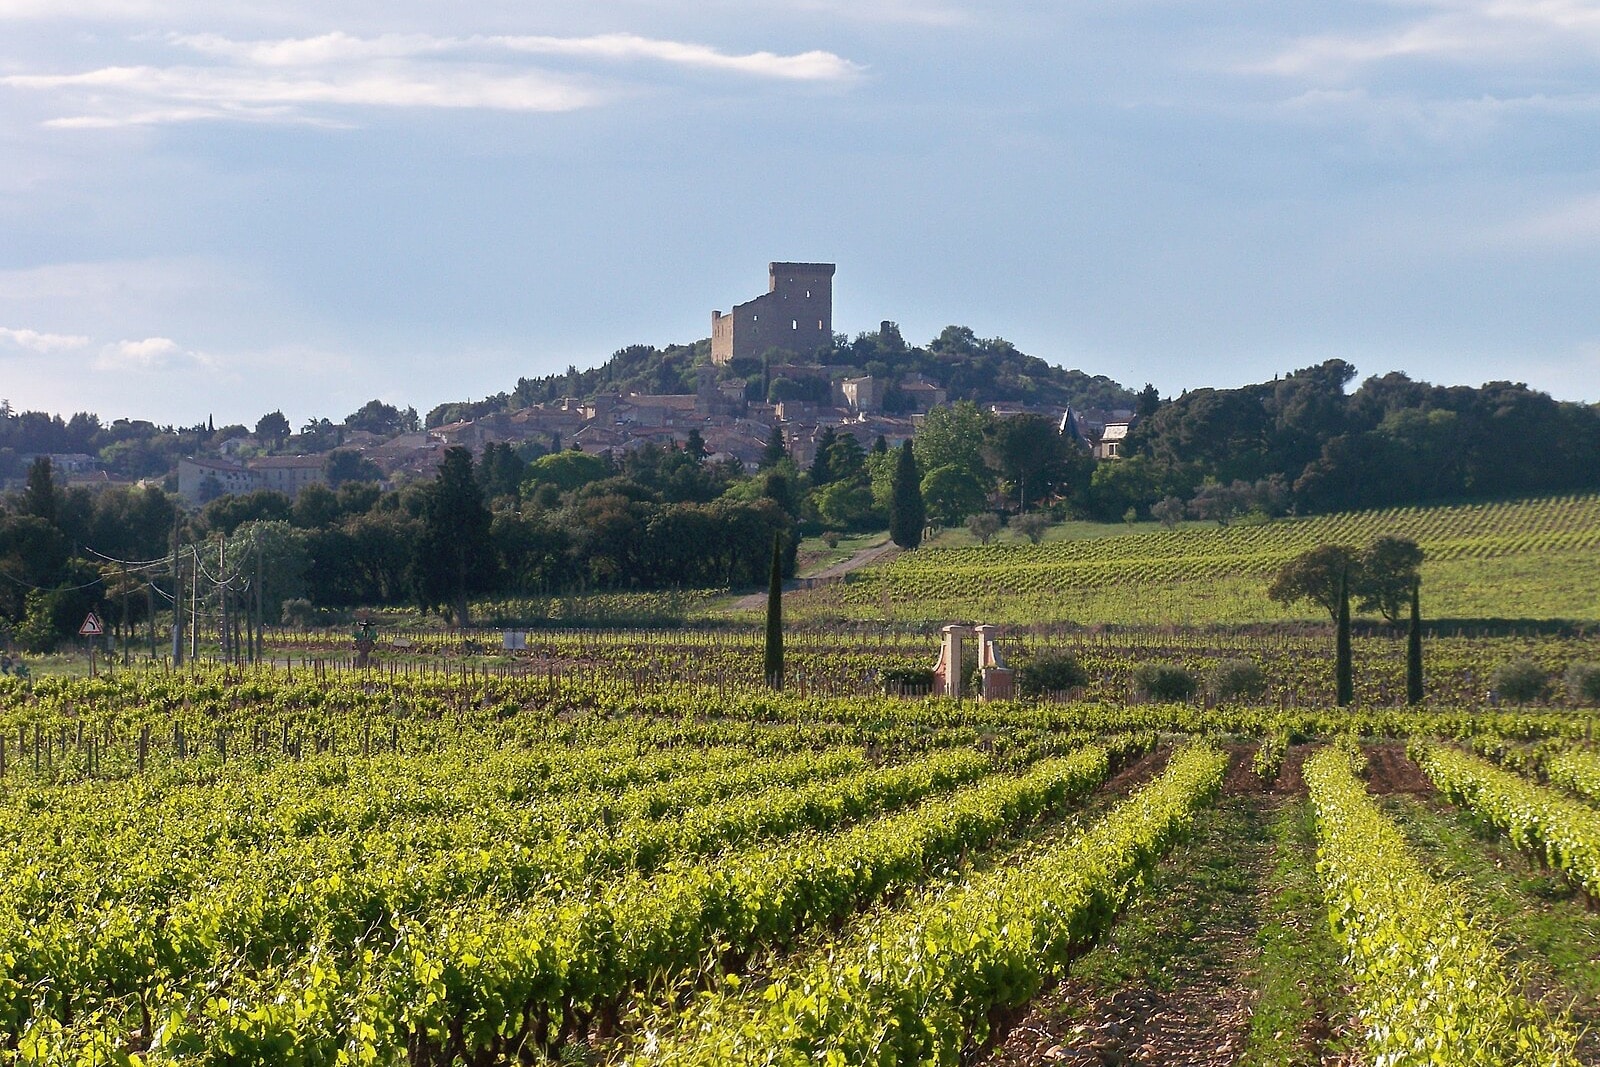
39,493
772,662
776,451
1343,675
1414,646
906,512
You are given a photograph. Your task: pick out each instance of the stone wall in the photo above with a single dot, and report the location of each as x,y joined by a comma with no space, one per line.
795,315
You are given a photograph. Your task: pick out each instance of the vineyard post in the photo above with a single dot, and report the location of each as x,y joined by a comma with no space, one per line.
2,755
144,745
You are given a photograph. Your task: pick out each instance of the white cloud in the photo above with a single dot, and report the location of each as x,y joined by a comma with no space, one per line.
152,353
1454,31
292,78
43,343
1573,222
805,66
337,47
172,94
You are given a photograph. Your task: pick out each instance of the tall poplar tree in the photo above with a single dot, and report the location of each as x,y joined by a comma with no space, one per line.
1414,646
1343,671
772,661
907,515
454,556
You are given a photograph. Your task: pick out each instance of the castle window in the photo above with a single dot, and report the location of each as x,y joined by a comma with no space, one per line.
819,324
808,294
794,324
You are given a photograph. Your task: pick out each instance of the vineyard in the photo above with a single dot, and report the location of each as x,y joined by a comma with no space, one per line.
615,848
1533,559
324,866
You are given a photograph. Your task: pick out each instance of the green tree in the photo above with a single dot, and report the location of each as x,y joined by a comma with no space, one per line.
906,513
501,470
847,460
776,451
1168,511
847,506
953,436
821,472
315,506
227,513
695,445
951,493
772,659
273,428
39,492
569,470
984,525
1315,575
1388,569
1026,450
376,417
1032,526
1343,669
1414,647
454,556
348,465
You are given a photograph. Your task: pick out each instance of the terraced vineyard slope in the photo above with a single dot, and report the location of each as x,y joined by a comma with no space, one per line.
1533,559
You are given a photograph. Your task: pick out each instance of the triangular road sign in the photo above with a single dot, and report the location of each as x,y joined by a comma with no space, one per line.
91,626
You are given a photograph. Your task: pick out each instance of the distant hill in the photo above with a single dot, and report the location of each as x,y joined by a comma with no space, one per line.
984,370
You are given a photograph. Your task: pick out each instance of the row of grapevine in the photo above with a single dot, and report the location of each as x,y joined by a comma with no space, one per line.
140,915
480,982
1575,770
1431,986
1563,832
921,984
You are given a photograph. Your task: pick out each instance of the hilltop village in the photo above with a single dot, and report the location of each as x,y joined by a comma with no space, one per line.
771,363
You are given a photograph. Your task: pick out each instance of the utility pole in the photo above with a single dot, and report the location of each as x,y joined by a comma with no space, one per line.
260,581
194,606
177,600
222,595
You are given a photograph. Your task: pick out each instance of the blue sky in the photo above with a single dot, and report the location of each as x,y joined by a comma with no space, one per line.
225,208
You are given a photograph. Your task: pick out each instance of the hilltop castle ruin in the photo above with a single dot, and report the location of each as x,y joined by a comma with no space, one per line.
794,315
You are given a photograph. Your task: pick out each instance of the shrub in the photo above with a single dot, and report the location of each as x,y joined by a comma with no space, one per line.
1050,672
1521,681
299,612
1166,682
907,680
1236,679
984,526
830,538
1032,526
1583,683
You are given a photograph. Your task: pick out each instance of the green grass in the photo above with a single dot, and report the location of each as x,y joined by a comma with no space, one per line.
1534,559
1209,882
815,555
1298,990
1544,923
1071,530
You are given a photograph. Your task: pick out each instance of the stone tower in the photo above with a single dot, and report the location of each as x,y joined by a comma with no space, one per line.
794,315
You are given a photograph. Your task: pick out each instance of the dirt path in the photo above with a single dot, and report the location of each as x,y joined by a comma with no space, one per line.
757,601
1170,984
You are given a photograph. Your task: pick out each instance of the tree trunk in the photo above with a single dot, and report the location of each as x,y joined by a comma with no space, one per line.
1414,647
772,662
1343,672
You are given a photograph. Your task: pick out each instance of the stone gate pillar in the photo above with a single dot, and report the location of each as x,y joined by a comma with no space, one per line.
948,672
998,679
